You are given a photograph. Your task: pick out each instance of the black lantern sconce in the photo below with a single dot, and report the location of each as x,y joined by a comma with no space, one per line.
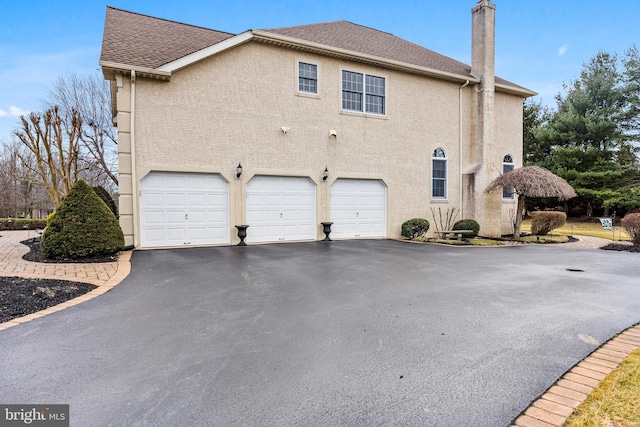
325,174
239,170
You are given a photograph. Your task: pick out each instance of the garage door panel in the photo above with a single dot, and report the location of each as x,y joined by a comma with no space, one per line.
184,209
358,208
280,209
153,217
175,199
175,217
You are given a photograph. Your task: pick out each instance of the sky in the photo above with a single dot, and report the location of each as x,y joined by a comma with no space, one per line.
540,44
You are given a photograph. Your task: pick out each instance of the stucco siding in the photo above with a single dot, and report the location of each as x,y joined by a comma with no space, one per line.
230,108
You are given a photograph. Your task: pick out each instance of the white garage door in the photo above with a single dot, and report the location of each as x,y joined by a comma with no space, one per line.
358,208
280,209
180,209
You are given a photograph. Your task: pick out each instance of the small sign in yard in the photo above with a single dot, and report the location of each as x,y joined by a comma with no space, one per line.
607,223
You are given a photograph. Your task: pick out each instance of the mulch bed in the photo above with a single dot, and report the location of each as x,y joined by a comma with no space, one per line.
620,247
19,296
35,255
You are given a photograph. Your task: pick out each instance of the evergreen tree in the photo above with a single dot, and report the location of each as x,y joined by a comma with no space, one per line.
591,139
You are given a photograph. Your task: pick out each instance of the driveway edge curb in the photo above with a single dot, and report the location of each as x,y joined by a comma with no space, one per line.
123,270
556,404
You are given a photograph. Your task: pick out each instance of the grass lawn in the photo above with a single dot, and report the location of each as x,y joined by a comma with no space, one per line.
584,229
616,401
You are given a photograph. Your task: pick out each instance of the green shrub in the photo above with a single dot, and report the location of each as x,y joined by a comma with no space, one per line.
107,199
82,226
416,227
22,224
631,224
542,222
50,218
467,224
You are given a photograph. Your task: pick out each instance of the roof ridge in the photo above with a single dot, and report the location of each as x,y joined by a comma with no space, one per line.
169,20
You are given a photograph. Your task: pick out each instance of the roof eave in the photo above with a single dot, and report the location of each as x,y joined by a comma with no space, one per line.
206,52
520,91
109,69
278,39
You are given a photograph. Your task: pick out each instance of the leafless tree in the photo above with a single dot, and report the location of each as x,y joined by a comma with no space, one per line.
90,96
531,181
53,145
21,194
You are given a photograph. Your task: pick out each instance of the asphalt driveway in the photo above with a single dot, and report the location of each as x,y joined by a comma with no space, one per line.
345,333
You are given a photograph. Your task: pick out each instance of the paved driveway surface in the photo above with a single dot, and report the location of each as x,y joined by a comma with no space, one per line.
349,333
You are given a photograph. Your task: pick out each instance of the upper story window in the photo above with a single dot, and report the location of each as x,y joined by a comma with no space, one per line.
307,77
439,174
507,166
363,92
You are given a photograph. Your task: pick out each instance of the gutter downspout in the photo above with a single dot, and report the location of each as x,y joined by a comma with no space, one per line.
460,146
134,179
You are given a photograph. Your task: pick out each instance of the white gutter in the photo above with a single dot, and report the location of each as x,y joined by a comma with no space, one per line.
134,179
460,146
125,69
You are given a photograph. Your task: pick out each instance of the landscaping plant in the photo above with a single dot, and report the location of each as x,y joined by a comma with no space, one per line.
544,221
82,226
416,227
467,224
107,199
631,223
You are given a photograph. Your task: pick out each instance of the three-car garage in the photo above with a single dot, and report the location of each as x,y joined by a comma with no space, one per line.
193,209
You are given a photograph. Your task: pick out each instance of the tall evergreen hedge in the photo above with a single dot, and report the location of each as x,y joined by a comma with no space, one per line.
106,197
82,226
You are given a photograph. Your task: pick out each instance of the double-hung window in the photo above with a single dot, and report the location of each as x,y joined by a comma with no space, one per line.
507,166
363,93
439,174
307,78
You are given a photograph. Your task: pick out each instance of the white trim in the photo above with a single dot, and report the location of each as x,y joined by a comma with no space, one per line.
134,177
206,52
364,93
446,175
126,69
512,163
267,36
303,93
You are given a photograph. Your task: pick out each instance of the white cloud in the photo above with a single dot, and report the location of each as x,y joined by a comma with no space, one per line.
13,112
17,111
563,49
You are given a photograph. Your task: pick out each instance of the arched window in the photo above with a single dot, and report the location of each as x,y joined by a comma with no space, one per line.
507,166
439,174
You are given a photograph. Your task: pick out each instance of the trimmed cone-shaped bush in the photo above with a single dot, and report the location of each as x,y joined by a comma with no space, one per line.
416,227
467,224
82,226
107,199
542,222
631,223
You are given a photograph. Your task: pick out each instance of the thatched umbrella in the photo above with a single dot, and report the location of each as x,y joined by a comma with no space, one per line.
531,181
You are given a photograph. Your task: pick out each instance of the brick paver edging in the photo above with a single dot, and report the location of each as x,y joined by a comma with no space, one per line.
556,404
123,270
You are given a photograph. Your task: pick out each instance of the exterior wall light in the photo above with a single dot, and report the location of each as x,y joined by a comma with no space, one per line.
325,174
239,170
333,134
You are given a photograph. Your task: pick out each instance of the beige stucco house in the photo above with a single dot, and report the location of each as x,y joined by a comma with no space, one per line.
282,129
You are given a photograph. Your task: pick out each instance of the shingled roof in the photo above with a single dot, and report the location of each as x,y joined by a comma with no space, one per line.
358,38
144,41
